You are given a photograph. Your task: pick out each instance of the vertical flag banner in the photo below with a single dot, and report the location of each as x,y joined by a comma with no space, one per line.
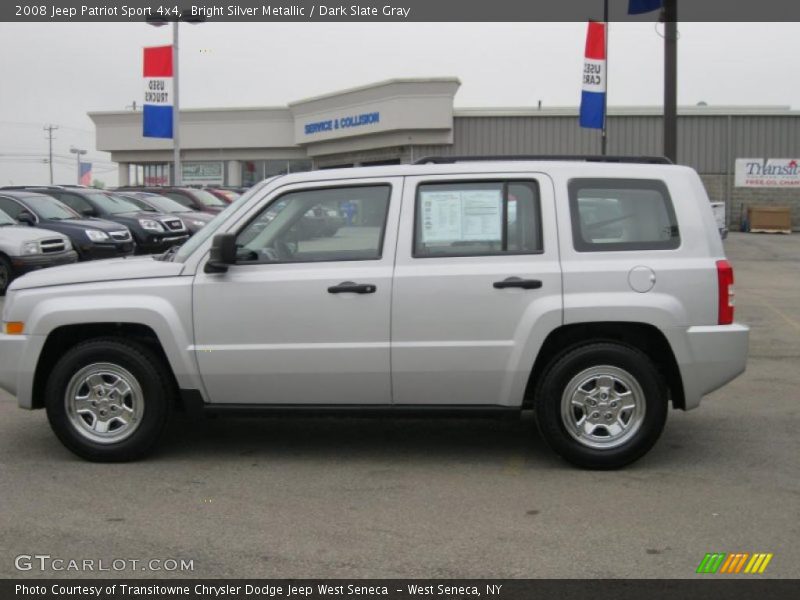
157,112
593,96
638,7
86,174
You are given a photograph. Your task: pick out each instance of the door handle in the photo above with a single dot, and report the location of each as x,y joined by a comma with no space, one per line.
353,288
516,282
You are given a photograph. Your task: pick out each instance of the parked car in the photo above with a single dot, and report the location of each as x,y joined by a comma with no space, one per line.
24,249
193,198
434,301
153,232
226,195
91,238
149,202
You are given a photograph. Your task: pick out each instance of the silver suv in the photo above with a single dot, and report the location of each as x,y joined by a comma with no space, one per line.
23,249
593,293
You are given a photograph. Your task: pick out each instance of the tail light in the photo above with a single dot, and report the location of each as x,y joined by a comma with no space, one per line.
725,283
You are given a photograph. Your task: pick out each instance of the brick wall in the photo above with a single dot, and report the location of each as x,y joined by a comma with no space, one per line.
744,197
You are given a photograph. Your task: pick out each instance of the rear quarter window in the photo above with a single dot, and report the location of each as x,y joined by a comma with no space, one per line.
622,214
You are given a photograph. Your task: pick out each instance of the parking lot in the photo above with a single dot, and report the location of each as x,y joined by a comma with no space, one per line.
446,498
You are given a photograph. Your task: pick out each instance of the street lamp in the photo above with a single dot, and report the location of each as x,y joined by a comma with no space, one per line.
159,21
78,152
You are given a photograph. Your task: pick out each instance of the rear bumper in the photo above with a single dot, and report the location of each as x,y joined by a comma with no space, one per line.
26,264
709,357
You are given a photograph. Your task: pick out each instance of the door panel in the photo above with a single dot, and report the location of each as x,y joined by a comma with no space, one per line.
272,332
457,336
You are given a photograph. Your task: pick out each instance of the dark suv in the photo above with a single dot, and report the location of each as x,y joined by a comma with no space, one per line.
153,232
91,238
196,199
148,202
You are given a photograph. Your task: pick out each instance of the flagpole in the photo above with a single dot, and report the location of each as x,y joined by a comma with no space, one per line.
604,135
176,110
671,80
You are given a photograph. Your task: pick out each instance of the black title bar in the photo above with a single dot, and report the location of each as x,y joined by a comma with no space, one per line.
386,10
733,588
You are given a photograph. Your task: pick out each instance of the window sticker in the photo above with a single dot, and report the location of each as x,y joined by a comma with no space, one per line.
453,215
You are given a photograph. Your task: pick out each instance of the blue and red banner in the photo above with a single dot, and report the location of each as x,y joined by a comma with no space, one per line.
593,96
157,118
639,7
85,174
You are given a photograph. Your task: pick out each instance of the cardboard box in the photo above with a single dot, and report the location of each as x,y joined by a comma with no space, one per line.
770,219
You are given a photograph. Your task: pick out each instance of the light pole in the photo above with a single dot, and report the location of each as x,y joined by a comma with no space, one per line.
78,152
187,16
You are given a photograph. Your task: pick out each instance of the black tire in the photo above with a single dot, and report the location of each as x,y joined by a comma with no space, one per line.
6,274
152,377
555,382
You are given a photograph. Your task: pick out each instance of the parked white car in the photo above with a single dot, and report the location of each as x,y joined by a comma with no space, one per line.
23,249
592,293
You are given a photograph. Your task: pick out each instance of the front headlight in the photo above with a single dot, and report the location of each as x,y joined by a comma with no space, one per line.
198,224
96,235
150,225
31,248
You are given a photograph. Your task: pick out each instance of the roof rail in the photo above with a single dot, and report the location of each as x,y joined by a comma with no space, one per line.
446,160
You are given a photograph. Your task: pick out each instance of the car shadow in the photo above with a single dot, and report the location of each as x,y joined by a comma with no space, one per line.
348,438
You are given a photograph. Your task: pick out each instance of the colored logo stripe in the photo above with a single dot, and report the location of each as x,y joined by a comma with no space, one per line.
721,562
758,563
711,562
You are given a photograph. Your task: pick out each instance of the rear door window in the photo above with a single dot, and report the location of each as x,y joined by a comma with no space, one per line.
622,214
477,218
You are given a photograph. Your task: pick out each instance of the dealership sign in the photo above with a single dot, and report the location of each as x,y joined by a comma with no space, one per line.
768,172
206,173
347,122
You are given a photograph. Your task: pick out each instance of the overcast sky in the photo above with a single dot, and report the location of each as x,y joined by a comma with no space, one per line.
56,73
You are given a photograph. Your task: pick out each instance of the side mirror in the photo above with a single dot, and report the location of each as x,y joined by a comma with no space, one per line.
223,253
88,212
27,218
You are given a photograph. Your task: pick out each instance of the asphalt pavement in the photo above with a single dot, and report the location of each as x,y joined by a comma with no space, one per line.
443,498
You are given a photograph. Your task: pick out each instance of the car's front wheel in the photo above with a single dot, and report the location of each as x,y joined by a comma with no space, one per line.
602,405
108,400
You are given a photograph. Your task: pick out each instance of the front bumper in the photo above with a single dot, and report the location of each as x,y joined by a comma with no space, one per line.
709,357
155,244
26,264
100,250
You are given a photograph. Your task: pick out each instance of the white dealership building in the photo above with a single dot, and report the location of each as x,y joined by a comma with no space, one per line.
744,154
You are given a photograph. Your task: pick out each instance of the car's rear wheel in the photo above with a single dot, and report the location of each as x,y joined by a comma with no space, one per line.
602,405
109,400
6,274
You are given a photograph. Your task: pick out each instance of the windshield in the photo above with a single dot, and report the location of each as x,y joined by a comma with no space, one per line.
140,203
113,204
46,207
208,198
6,220
164,204
210,229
